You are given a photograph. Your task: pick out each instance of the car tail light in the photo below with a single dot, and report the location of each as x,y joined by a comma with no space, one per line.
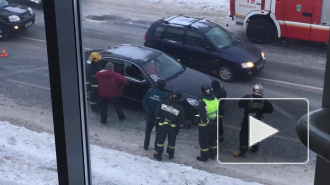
145,38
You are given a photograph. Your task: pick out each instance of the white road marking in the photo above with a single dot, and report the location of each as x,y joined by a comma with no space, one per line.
33,39
23,71
43,41
28,84
290,83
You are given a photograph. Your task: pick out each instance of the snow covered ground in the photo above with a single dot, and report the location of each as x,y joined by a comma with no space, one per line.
204,4
28,157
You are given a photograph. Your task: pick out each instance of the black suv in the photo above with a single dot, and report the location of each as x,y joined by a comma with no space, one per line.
142,66
14,17
206,46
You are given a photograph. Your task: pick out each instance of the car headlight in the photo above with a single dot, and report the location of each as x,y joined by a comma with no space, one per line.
14,18
192,102
263,55
247,65
30,10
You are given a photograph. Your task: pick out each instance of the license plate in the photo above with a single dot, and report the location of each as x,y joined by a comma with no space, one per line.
28,24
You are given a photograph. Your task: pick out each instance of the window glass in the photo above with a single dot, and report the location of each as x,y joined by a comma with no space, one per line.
162,66
132,71
220,37
195,39
158,32
3,3
117,64
174,34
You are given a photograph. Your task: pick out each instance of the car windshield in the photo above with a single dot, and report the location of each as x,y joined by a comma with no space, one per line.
220,38
3,3
162,66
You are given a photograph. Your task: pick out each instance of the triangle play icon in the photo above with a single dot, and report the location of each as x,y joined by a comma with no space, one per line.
259,131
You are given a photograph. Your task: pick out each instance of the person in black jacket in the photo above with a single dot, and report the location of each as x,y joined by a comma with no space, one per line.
170,115
92,67
150,102
257,107
219,93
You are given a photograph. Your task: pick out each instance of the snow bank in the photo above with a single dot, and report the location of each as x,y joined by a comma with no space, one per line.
201,4
28,157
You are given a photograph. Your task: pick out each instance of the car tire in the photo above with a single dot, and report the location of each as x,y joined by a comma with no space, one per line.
260,31
3,33
226,73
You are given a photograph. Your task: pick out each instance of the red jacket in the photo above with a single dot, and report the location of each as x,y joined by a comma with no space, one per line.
110,83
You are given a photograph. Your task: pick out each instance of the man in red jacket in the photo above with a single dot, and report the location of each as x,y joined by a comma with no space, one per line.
110,88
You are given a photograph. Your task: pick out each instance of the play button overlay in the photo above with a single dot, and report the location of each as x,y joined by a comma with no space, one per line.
259,131
243,138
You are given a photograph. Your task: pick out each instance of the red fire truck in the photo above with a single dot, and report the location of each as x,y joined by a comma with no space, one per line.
297,19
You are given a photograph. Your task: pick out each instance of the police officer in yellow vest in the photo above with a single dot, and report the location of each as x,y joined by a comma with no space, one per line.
207,127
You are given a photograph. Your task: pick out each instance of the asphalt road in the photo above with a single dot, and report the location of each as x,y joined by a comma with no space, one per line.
293,70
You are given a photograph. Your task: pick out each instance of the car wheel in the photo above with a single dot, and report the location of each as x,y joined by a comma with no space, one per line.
3,33
226,73
260,31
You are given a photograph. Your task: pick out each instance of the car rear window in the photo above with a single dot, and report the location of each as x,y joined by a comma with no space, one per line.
158,32
174,34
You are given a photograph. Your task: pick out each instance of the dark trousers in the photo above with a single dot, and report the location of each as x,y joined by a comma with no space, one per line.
93,97
220,127
162,132
104,108
208,140
244,139
150,123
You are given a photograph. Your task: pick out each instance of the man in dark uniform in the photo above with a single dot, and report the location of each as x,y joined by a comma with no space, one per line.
219,93
94,64
256,107
207,127
170,114
150,102
91,69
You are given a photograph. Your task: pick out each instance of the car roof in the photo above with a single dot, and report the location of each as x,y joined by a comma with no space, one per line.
134,53
200,24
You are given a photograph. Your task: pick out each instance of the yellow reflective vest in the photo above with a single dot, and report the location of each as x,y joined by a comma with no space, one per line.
212,107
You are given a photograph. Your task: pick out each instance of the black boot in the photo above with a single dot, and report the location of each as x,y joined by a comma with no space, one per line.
204,156
146,145
170,153
158,157
213,153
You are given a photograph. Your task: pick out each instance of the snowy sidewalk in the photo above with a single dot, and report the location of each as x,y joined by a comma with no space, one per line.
28,157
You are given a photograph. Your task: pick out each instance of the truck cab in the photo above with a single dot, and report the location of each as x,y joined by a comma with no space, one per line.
296,19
